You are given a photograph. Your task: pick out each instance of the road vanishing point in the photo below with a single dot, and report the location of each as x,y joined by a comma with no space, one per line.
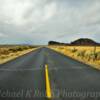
45,74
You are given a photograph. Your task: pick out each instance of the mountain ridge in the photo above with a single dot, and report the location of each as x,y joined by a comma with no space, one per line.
80,41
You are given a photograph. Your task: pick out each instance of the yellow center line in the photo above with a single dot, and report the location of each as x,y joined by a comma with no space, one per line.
48,88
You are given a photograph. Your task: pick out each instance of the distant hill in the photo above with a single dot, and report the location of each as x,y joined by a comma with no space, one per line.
81,41
84,41
56,43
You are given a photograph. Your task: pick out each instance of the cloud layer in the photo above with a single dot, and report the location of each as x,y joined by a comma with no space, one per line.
38,21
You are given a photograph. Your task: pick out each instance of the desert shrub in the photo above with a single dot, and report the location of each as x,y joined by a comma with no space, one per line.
73,50
81,53
88,57
12,50
20,48
4,51
2,57
93,56
98,55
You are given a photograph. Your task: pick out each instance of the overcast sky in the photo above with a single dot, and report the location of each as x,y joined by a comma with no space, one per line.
38,21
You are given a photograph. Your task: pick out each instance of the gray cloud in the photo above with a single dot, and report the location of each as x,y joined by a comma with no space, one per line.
39,21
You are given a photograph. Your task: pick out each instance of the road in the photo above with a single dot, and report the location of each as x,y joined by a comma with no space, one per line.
24,78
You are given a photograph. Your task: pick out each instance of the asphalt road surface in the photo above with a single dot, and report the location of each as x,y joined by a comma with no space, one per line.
24,78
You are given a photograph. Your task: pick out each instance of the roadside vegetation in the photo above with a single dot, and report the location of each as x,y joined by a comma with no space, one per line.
10,52
87,54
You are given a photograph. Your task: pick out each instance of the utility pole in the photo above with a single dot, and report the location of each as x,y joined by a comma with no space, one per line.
94,52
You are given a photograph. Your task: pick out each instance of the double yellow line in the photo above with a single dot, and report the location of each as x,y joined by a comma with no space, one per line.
48,88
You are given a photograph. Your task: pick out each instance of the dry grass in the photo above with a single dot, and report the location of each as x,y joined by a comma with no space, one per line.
9,53
87,54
